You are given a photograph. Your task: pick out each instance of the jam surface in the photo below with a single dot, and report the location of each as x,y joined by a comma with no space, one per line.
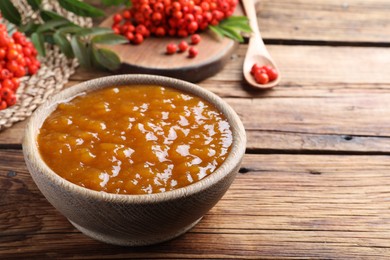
135,139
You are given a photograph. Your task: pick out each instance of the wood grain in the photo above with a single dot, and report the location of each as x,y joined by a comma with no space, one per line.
289,117
352,22
283,206
315,181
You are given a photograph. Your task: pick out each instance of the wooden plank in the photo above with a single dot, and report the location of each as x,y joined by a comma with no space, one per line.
309,111
311,70
333,20
337,115
284,206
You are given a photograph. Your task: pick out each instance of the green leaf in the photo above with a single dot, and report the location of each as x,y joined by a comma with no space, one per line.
72,28
49,15
35,4
240,26
81,52
237,19
232,27
28,28
94,31
239,23
52,25
110,38
9,12
48,38
116,2
216,30
63,44
38,41
231,33
107,59
243,27
80,8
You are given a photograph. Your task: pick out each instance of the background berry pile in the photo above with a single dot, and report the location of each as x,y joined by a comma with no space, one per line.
17,58
167,17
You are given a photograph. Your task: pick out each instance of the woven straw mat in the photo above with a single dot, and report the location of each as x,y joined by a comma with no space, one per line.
54,73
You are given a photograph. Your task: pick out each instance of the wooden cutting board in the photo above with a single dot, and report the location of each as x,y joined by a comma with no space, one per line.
150,57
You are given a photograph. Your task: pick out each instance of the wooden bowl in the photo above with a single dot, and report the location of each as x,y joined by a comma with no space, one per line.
133,220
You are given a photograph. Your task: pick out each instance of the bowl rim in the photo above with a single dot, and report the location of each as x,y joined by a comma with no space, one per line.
234,158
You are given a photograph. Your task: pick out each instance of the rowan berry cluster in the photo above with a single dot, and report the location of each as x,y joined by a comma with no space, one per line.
17,58
264,74
170,17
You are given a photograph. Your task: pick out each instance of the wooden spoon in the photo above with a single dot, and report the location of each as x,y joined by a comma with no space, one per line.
257,52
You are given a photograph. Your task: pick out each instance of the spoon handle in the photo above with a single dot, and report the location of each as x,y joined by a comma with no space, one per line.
256,41
250,10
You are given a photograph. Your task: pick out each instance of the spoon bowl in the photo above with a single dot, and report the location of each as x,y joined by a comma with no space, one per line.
263,60
257,51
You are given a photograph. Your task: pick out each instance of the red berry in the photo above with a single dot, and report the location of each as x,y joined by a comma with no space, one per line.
195,39
261,78
18,47
157,16
183,46
27,52
7,83
12,66
5,74
160,31
192,27
141,29
172,32
266,68
4,39
199,18
207,16
3,53
117,18
32,69
116,30
177,14
11,99
189,18
16,83
182,33
205,6
129,36
272,74
5,92
171,48
131,28
3,104
21,60
126,14
255,68
158,7
12,54
138,38
192,52
27,60
20,72
176,6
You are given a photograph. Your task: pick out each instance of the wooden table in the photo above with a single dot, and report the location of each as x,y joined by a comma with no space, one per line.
315,182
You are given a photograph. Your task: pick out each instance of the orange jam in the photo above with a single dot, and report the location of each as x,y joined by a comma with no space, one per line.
135,139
